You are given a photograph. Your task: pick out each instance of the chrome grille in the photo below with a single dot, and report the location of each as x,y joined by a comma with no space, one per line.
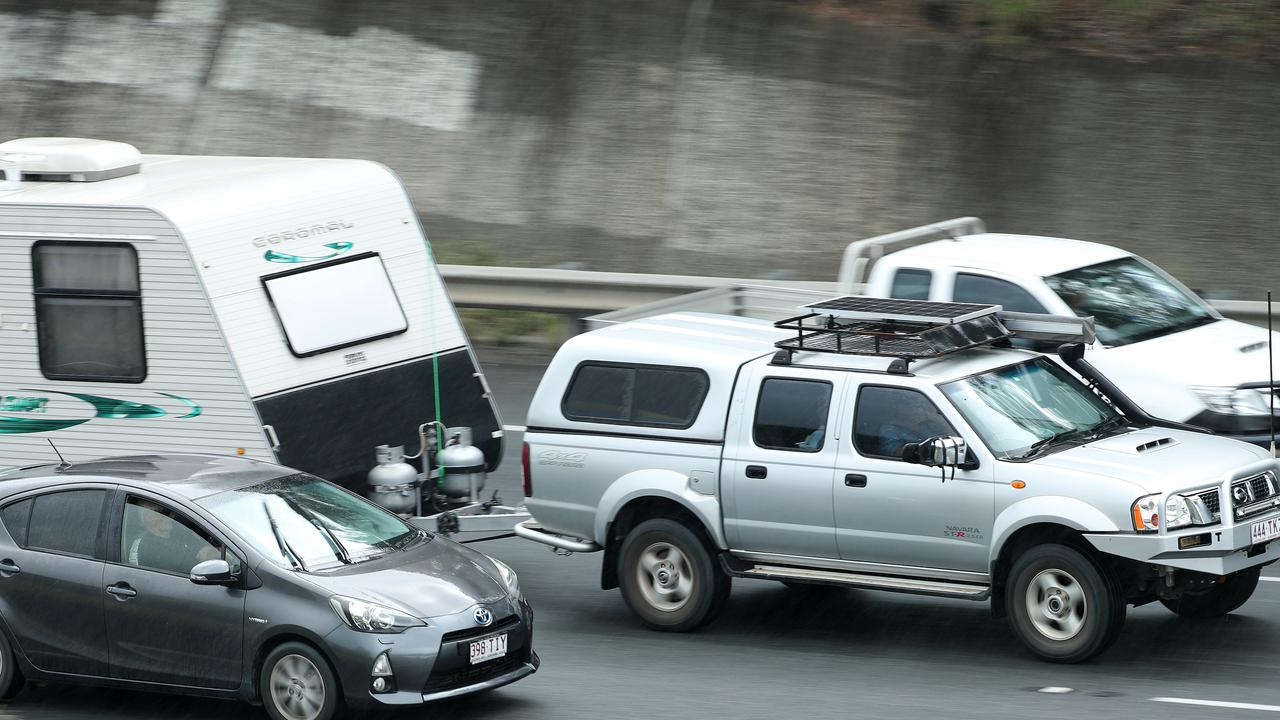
1211,501
1250,495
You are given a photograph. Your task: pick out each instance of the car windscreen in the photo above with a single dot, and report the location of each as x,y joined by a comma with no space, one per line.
303,522
1016,409
1129,300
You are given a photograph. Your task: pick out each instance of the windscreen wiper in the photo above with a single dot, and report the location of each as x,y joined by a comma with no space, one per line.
339,550
1112,423
285,550
1040,445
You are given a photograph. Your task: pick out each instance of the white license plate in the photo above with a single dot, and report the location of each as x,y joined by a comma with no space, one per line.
1265,530
488,648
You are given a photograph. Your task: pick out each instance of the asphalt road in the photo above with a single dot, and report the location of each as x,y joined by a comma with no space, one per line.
781,653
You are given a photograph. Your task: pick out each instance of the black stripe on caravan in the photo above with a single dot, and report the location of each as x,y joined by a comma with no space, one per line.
631,436
330,429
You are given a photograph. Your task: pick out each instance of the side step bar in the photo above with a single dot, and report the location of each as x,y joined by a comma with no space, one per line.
915,586
531,530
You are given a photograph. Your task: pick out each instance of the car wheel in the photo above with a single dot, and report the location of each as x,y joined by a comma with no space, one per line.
297,684
668,577
1062,605
1219,599
11,679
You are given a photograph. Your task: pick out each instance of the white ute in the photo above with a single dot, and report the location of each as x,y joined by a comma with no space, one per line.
1170,351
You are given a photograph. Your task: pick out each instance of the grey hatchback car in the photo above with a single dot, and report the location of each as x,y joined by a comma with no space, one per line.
231,578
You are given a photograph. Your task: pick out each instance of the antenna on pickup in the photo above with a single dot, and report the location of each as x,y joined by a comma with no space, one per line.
63,465
1271,377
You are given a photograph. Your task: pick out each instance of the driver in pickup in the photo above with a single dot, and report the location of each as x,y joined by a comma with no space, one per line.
907,417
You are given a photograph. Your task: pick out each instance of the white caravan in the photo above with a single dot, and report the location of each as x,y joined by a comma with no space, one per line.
284,309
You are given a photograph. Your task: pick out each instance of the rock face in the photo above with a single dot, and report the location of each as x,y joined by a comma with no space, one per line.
749,138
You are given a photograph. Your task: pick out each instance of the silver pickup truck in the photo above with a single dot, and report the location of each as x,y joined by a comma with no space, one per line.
892,445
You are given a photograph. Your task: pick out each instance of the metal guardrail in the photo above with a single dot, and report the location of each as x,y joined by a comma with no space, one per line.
584,292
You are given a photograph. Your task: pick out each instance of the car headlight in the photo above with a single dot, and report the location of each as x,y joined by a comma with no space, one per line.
1234,401
1146,514
372,617
508,576
1177,512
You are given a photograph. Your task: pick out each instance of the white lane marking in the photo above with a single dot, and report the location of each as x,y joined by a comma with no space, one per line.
1217,703
1056,690
514,428
1264,578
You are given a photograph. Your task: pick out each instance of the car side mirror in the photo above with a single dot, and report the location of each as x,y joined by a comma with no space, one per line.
945,451
213,572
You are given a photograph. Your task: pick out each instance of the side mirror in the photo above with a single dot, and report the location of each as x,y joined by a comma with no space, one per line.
947,451
213,572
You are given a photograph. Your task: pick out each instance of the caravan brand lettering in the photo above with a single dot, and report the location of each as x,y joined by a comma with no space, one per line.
301,233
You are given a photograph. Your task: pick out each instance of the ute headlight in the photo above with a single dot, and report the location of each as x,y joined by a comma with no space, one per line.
372,617
1234,401
508,577
1177,512
1146,514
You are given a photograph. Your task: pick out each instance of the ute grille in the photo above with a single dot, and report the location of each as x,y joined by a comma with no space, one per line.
1211,501
1250,495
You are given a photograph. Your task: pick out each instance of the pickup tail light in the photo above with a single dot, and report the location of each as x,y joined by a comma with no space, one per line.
525,470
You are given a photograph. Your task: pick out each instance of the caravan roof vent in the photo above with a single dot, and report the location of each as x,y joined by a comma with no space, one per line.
60,159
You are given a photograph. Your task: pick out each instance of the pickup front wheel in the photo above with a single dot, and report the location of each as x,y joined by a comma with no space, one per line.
668,577
1062,605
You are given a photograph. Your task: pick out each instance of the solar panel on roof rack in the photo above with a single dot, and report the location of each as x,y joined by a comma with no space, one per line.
855,307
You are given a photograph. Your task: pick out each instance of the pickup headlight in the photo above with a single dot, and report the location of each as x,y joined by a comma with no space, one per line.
1146,514
372,617
1177,512
508,576
1234,401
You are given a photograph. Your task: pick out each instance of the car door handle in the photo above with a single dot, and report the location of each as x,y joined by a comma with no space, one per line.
758,472
9,567
855,480
122,591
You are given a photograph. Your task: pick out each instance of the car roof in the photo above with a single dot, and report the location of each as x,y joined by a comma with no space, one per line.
190,476
1014,254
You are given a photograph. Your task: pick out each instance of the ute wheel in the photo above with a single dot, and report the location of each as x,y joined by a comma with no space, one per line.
297,683
11,679
668,578
1062,605
1217,600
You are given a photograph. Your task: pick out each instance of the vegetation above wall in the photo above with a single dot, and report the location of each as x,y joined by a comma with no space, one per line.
1133,29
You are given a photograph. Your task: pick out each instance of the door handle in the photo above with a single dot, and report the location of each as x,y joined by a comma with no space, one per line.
122,591
758,472
855,480
9,567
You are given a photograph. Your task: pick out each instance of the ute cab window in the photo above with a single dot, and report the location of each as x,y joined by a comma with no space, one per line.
887,418
88,300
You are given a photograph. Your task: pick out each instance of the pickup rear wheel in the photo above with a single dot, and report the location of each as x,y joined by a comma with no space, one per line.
1062,605
668,577
1219,599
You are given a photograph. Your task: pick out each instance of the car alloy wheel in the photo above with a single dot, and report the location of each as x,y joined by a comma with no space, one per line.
297,688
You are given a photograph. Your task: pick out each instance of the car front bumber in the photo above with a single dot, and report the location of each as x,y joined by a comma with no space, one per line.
1230,548
433,663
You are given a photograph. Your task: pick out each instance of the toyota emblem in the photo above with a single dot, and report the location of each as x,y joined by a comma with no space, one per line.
483,616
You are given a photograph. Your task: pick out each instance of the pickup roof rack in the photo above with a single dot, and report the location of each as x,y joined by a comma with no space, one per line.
917,329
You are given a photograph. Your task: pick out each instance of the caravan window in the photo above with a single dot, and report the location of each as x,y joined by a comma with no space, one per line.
89,311
335,304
